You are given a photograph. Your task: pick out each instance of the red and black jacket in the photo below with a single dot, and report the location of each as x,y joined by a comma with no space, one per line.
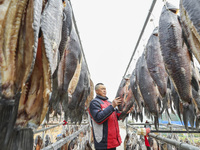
105,123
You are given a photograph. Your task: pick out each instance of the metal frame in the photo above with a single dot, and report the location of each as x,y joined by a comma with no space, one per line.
63,141
181,145
45,129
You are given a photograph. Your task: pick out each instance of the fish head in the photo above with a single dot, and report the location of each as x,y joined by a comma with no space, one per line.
170,7
155,31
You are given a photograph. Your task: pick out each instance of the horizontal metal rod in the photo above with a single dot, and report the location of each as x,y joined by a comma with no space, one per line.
141,124
181,126
84,123
41,130
173,125
63,141
173,131
182,146
166,131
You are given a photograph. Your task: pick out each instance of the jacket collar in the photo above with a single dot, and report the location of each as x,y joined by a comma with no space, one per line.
101,97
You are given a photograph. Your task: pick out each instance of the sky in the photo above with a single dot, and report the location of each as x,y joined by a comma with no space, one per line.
109,30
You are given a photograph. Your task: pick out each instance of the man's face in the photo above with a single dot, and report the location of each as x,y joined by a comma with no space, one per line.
101,90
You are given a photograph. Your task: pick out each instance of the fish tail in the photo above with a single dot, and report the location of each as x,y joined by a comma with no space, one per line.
141,116
133,115
197,121
156,122
8,116
47,115
165,105
192,115
188,115
21,139
170,100
64,100
136,117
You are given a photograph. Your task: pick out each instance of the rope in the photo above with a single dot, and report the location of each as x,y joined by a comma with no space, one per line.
146,21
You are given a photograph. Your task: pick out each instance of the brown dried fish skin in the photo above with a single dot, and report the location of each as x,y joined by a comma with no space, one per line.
175,54
155,62
189,13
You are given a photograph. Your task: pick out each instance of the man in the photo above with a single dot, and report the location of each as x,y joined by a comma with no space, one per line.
105,120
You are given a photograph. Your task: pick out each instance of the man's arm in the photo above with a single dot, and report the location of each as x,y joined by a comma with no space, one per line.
99,115
118,113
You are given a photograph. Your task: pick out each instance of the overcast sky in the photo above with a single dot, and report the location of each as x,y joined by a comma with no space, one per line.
109,30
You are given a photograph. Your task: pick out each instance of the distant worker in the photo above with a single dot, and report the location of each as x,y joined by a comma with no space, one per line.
105,120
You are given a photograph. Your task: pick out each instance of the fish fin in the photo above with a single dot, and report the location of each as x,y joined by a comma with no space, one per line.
168,83
8,116
165,107
47,115
172,109
21,139
188,115
195,84
197,122
133,115
136,117
156,122
141,117
192,115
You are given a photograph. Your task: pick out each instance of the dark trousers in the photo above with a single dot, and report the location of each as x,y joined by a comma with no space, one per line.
107,149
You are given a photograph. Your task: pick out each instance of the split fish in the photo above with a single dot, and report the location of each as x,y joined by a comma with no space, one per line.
77,104
34,101
11,20
190,21
66,31
69,68
126,95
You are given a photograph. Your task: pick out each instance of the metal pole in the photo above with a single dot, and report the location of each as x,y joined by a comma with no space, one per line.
41,130
173,131
126,125
76,28
182,146
141,124
146,21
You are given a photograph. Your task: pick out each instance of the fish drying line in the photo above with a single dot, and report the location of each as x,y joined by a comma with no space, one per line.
181,145
144,26
63,141
76,28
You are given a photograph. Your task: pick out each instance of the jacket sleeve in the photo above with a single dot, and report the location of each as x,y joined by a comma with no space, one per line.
118,114
98,115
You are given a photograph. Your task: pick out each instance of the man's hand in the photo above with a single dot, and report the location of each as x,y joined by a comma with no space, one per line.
130,110
117,101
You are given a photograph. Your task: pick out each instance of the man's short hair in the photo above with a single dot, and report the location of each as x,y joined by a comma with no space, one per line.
97,86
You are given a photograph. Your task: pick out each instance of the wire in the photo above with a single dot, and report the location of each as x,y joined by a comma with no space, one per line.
146,21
